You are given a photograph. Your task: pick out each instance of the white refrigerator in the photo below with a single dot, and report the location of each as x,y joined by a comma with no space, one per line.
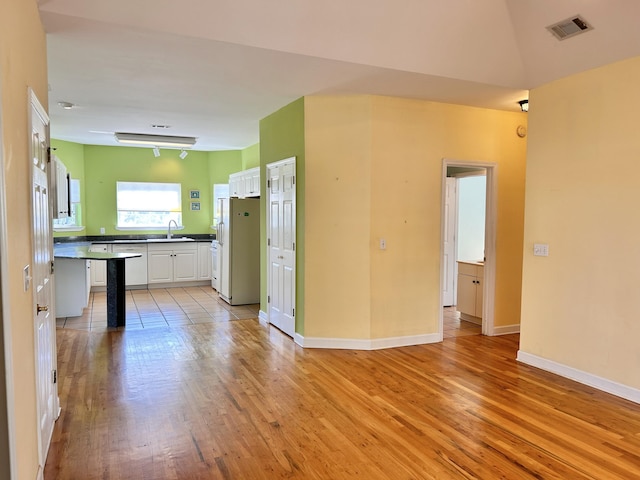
238,235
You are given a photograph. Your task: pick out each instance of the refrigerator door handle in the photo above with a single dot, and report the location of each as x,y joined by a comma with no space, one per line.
220,233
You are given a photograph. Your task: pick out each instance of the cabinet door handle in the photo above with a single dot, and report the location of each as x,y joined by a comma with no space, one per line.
42,308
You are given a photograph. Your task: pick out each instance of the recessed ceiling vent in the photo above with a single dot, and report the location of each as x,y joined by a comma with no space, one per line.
569,28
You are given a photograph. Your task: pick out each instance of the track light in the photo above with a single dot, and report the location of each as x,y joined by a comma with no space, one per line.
524,105
183,154
155,140
156,152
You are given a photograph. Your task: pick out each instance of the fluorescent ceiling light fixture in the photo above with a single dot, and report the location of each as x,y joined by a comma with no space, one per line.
183,154
156,152
155,140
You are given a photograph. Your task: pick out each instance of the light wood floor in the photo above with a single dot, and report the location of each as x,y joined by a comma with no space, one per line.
453,326
234,399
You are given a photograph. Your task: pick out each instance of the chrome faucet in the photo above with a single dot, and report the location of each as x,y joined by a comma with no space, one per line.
169,228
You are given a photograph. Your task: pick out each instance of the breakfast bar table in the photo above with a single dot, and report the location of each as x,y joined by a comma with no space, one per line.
116,300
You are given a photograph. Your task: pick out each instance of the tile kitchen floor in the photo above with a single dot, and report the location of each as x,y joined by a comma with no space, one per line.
454,327
161,307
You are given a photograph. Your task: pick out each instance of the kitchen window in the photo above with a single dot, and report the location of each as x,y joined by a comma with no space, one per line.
72,222
220,190
147,205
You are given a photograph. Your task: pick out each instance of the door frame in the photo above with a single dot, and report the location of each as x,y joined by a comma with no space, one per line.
489,281
455,236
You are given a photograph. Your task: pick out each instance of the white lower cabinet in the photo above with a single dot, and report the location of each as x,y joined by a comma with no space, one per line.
159,263
470,291
204,261
170,263
135,269
72,280
98,267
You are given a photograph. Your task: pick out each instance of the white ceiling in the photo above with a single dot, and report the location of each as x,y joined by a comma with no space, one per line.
213,68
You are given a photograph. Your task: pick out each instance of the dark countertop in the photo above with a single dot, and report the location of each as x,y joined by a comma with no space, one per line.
198,237
80,252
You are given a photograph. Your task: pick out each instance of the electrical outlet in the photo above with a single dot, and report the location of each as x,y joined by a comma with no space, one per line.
383,244
101,230
541,249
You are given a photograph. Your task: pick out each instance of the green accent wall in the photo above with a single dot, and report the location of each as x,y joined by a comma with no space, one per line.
72,155
251,157
222,164
99,168
282,136
104,166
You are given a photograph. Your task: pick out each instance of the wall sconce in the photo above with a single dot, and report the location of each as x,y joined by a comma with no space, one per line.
156,152
183,154
524,105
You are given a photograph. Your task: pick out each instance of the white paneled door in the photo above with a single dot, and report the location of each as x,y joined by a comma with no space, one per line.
281,238
43,308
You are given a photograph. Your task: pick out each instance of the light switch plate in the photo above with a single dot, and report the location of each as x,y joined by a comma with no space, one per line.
541,249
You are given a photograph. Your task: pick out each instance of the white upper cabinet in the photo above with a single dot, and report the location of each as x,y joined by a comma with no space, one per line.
60,188
245,184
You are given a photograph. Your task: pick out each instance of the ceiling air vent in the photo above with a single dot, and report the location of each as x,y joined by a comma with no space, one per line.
569,28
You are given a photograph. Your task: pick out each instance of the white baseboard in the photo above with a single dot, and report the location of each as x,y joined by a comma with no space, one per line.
262,316
366,344
609,386
470,318
506,329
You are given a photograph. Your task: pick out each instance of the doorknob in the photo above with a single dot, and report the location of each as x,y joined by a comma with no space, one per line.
42,308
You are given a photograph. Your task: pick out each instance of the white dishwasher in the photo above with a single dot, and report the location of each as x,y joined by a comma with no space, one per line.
135,269
214,265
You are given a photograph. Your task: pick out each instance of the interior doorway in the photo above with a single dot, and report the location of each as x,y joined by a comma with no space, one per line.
467,248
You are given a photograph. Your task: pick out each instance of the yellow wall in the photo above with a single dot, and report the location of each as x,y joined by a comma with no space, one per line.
23,63
374,169
580,304
338,217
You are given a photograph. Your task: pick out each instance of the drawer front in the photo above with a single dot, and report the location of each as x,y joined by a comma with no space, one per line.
175,246
468,269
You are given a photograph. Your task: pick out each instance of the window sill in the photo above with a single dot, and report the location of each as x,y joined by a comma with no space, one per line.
70,228
162,229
